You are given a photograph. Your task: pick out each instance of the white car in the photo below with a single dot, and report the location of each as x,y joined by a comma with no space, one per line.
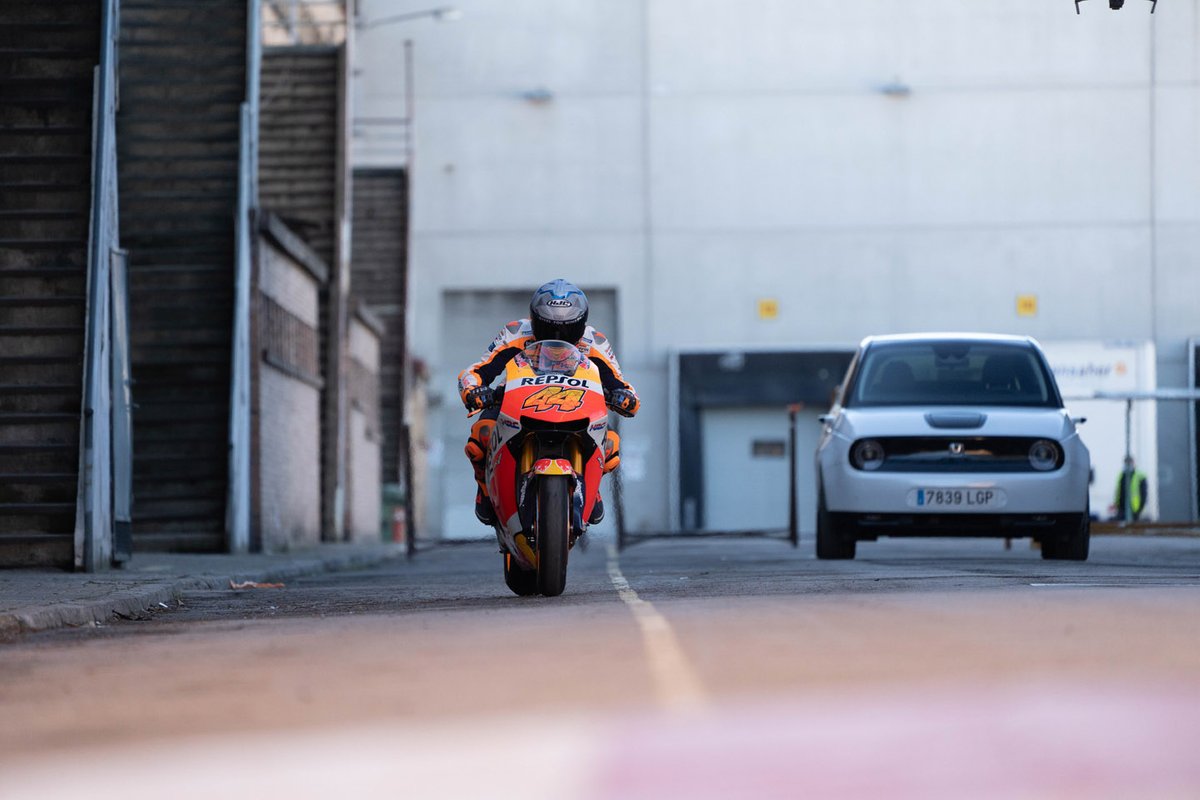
951,435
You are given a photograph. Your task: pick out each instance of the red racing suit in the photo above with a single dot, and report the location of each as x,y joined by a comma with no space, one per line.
512,339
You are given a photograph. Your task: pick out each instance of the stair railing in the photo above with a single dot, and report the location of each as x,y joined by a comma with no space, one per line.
237,507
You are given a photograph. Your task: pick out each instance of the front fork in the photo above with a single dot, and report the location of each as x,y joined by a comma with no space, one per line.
533,467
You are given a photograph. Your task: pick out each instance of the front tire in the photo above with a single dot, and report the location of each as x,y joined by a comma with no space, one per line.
553,533
832,543
1072,547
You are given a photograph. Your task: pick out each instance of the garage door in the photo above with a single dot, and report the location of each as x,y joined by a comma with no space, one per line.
746,462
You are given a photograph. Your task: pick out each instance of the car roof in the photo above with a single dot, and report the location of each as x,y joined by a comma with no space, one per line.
998,338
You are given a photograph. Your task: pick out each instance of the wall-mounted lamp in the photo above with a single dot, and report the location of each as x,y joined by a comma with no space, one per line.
539,96
1116,5
443,14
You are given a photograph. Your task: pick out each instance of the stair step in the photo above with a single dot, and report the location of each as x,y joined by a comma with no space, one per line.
25,361
49,272
40,213
42,186
40,509
44,91
25,302
60,11
68,402
182,490
44,244
43,130
36,418
45,158
55,26
29,330
60,458
37,447
42,51
8,478
63,431
38,389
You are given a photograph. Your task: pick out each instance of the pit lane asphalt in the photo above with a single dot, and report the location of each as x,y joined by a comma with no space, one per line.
467,576
695,649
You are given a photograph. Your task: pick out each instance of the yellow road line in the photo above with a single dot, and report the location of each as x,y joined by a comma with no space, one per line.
676,683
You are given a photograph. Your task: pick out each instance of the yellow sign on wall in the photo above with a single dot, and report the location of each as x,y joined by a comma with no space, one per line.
768,309
1027,305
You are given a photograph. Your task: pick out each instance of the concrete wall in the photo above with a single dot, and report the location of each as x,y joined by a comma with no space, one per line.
287,403
873,167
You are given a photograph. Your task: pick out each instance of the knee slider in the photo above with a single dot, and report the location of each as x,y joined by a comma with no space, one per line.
612,451
481,436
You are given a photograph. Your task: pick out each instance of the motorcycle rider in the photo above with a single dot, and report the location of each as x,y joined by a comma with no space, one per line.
558,310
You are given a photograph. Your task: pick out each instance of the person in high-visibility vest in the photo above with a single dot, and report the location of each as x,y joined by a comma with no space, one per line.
1130,478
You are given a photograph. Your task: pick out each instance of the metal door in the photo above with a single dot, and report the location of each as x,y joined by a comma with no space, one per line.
745,459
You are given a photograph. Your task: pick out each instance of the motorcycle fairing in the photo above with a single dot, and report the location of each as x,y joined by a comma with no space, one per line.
550,400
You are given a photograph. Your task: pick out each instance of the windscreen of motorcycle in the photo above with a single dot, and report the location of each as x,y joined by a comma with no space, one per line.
553,357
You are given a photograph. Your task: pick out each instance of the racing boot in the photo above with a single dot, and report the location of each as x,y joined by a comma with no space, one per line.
485,512
597,514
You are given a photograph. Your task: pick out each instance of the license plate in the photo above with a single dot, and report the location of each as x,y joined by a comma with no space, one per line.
961,499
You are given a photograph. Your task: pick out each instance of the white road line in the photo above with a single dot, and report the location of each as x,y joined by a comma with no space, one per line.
675,681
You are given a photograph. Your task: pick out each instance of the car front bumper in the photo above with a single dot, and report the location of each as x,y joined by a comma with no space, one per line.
1025,494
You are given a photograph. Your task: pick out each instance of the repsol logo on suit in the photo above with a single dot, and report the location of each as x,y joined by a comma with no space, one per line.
542,380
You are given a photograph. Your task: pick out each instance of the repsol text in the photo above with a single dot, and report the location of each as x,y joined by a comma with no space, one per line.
542,380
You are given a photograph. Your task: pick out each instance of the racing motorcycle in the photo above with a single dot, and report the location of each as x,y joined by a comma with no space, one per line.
544,462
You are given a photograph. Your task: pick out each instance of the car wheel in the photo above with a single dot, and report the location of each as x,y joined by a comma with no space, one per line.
832,543
1073,546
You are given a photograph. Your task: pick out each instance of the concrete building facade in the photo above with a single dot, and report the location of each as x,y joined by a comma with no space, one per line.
765,175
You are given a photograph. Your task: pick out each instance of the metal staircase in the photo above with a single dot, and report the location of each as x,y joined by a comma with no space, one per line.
182,77
48,53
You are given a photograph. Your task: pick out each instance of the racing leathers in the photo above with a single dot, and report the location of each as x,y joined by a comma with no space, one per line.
513,339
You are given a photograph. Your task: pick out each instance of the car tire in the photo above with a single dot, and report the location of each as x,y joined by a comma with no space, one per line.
832,543
1072,547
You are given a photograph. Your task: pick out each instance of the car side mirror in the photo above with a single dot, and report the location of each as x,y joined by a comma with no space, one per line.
1078,420
825,419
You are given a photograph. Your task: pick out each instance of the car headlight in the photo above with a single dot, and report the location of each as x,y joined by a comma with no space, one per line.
1043,455
867,454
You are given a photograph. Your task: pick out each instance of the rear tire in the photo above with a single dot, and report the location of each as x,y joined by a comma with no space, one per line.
553,533
523,582
832,543
1074,546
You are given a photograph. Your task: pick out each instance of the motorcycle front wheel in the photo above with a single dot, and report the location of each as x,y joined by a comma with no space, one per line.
553,532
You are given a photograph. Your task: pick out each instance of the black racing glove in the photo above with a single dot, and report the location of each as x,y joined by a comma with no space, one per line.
479,398
622,401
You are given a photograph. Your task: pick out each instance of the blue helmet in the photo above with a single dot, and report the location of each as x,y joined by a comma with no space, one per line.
558,310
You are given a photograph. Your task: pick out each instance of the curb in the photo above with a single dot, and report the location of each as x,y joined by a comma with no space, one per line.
131,603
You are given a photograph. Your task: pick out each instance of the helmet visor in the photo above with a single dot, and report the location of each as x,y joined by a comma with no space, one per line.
563,331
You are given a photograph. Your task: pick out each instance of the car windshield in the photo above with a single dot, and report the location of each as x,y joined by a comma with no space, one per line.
952,373
553,357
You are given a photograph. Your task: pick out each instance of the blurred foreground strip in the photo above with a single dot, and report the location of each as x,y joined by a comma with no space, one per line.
979,741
